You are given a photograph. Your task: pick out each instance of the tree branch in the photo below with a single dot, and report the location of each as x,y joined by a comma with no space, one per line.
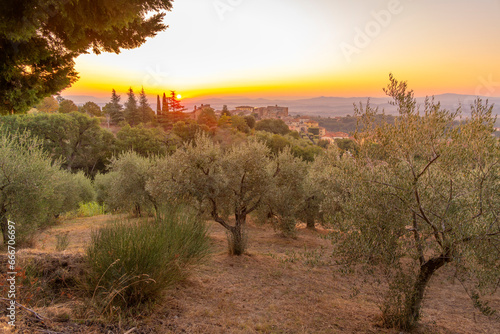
216,216
418,243
426,219
428,165
37,316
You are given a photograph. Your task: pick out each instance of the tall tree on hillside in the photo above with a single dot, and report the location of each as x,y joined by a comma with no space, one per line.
39,37
165,107
48,104
131,111
67,106
146,114
207,117
225,111
175,104
91,108
114,108
158,105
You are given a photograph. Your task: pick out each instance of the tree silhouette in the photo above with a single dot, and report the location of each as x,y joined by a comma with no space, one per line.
39,37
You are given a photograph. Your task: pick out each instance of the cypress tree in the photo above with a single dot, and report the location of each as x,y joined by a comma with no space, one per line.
158,105
165,108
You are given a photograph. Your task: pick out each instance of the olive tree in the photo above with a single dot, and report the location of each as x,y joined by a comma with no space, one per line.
223,184
285,199
320,176
423,193
33,189
124,187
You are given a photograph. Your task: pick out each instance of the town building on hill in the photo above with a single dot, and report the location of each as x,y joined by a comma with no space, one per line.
272,112
331,136
312,124
197,111
245,109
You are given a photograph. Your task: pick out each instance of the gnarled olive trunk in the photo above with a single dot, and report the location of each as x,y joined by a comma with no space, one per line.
413,301
237,239
310,222
236,234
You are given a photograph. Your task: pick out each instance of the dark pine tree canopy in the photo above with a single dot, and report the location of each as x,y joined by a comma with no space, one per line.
114,109
131,112
39,40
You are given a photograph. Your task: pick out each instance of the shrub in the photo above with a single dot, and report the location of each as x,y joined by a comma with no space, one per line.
74,189
29,184
91,209
102,185
133,262
124,188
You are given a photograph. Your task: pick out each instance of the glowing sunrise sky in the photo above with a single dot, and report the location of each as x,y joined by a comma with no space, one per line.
308,48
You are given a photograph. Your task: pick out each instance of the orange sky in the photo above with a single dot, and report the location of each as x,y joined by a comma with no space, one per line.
299,48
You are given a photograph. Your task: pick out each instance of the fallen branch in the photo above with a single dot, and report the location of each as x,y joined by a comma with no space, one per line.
38,316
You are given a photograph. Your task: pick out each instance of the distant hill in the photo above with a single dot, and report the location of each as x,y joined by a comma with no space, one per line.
318,106
338,106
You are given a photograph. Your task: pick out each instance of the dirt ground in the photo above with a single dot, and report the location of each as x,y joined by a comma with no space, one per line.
281,285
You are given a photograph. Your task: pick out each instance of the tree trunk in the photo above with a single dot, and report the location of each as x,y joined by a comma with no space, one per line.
4,225
414,300
310,222
137,210
237,240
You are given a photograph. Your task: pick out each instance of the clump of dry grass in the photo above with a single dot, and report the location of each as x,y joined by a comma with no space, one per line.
132,263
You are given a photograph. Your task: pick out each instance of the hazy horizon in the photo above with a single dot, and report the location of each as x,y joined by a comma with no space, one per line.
303,49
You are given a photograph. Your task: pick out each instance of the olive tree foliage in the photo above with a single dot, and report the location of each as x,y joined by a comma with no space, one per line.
144,141
33,188
227,185
318,191
124,187
421,194
285,198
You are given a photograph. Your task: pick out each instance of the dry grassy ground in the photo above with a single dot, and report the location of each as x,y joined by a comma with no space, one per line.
281,286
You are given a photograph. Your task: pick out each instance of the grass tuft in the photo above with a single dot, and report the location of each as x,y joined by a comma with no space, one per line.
133,262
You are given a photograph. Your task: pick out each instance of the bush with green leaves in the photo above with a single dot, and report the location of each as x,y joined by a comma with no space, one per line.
91,209
144,141
276,126
301,148
134,262
124,187
75,189
33,189
284,199
75,140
